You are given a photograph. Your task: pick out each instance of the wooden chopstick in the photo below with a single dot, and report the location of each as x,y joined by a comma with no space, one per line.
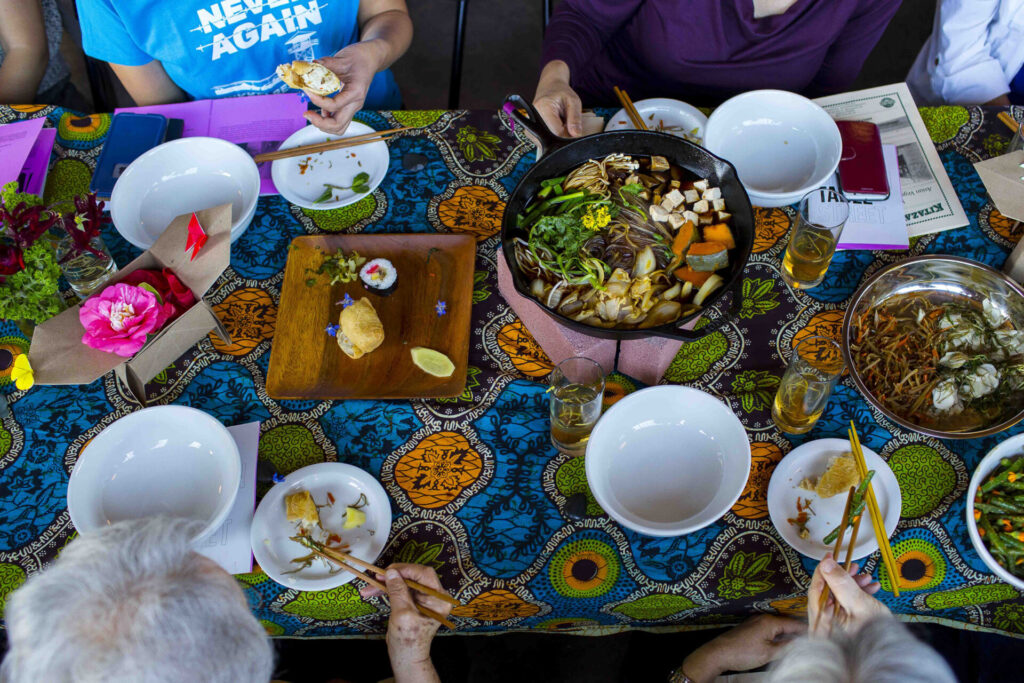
835,552
327,146
630,108
847,563
416,585
327,553
881,535
1009,121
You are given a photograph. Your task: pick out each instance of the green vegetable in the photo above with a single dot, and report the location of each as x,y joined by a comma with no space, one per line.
856,508
360,185
32,293
998,503
339,267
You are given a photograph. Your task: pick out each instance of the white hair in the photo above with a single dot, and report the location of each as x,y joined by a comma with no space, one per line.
134,602
883,651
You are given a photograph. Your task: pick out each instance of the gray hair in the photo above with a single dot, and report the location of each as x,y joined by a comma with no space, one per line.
883,651
134,602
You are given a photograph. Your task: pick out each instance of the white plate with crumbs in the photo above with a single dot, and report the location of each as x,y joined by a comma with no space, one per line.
334,486
303,180
666,116
811,460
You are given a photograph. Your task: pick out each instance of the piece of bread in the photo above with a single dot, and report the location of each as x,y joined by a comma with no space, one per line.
361,330
839,477
299,507
309,76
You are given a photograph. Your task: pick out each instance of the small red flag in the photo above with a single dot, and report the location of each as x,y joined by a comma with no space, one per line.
196,237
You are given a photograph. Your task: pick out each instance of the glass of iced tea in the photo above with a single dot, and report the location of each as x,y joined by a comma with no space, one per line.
814,368
822,215
577,391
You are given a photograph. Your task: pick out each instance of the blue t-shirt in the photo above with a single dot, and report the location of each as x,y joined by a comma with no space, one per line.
228,48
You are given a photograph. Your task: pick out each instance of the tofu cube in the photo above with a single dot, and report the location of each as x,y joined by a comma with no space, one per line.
675,220
691,216
659,163
674,184
724,216
706,219
673,199
691,196
700,185
712,193
658,213
718,204
702,206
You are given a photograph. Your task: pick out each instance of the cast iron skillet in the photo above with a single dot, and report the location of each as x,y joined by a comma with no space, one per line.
561,155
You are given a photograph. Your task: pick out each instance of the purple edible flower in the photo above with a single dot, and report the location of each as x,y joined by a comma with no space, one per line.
347,301
441,308
332,330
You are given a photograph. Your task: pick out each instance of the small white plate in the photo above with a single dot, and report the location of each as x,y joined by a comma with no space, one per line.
271,532
301,180
810,460
665,115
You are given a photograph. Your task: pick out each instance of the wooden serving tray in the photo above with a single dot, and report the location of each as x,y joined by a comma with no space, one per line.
307,363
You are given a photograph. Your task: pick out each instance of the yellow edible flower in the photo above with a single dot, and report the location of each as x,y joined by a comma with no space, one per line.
21,373
595,219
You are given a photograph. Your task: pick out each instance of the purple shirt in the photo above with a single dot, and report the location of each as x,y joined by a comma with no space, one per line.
708,50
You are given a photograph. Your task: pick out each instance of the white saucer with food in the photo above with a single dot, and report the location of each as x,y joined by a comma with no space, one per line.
331,503
331,179
808,491
666,116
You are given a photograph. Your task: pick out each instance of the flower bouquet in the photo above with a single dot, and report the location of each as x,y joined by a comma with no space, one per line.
146,316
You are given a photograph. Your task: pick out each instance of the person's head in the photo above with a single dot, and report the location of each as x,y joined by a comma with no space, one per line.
882,651
134,602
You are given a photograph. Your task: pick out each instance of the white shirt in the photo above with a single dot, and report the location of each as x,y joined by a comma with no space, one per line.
975,50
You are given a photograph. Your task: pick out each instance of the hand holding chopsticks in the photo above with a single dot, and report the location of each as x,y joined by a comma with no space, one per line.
345,561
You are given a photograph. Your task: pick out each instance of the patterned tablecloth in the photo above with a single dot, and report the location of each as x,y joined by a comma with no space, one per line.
477,490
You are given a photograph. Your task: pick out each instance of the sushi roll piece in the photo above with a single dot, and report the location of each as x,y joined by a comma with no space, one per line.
379,276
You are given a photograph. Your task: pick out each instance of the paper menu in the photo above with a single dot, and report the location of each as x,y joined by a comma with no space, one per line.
16,141
930,202
256,124
229,545
878,224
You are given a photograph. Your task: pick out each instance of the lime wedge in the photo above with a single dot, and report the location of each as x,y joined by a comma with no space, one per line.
432,362
353,517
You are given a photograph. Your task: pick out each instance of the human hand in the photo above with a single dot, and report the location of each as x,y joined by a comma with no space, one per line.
355,65
409,632
851,590
557,103
749,645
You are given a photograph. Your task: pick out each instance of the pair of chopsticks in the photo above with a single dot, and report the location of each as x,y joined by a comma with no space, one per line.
345,561
630,108
835,553
876,516
340,143
1009,121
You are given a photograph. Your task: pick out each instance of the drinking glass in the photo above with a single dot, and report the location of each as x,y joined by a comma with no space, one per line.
1017,143
814,368
85,272
822,215
577,391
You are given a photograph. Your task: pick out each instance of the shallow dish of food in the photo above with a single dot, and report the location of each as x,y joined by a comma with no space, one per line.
373,316
995,510
782,144
664,116
937,344
331,179
808,491
330,503
667,460
626,234
165,460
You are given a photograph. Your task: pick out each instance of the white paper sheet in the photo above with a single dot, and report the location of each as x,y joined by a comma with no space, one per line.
229,546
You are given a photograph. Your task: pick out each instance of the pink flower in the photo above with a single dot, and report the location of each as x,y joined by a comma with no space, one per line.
118,319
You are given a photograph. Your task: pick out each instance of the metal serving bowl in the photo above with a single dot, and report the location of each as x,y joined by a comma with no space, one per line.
944,279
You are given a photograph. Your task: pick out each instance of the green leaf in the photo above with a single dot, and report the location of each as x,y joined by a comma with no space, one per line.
152,290
326,196
361,178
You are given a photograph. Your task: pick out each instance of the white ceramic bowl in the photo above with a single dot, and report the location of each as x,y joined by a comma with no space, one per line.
668,460
167,460
1007,449
782,145
180,177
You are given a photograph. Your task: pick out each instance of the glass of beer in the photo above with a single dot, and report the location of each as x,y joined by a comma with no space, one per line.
822,215
814,368
577,391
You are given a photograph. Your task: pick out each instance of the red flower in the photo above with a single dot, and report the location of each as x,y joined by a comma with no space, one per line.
25,224
11,261
176,297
